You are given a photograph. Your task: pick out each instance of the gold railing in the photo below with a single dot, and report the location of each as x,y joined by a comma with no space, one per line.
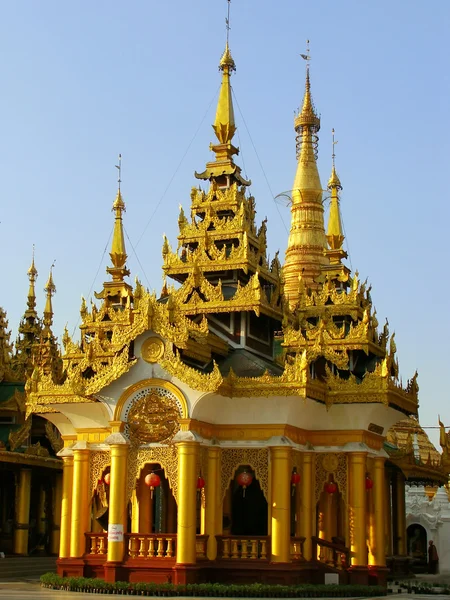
250,547
151,545
96,543
297,548
200,546
144,545
330,554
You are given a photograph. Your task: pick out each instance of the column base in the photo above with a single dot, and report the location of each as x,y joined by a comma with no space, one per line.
378,575
185,574
114,571
358,575
70,567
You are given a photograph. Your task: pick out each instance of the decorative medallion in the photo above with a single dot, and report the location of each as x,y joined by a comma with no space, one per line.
152,349
153,417
330,462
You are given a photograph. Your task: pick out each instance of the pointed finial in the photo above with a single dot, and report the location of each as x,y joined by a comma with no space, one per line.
227,20
307,116
118,253
50,290
32,272
119,168
334,181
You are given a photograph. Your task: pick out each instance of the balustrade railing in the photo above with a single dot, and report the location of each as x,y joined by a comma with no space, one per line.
96,543
234,547
330,553
151,545
200,546
297,548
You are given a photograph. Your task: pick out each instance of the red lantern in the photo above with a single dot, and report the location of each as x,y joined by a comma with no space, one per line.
295,479
107,478
331,487
200,483
369,482
244,479
152,480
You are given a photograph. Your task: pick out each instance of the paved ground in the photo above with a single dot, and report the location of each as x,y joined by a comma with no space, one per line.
27,590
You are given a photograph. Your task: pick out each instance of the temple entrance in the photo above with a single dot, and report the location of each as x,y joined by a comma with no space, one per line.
416,536
155,502
330,514
245,507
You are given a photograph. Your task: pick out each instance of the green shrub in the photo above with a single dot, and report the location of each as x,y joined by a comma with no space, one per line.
258,590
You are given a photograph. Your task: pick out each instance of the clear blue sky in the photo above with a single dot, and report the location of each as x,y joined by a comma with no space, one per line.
83,81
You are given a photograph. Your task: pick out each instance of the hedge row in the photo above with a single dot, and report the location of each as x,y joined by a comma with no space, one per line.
218,590
412,586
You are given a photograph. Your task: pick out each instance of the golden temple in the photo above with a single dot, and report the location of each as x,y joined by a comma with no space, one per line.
247,424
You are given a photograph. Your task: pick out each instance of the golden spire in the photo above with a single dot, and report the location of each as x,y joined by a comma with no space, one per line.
335,233
118,253
117,290
305,254
31,302
50,290
224,125
223,169
335,236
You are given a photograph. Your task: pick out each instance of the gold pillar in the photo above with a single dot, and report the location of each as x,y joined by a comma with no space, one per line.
387,513
117,498
187,496
56,513
66,503
171,513
145,507
134,512
379,500
213,522
80,500
280,458
401,513
23,493
358,508
305,518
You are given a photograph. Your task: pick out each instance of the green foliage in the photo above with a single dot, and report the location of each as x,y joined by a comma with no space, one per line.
218,590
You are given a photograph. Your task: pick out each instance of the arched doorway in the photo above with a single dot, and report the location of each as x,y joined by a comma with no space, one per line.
330,514
245,508
157,507
417,541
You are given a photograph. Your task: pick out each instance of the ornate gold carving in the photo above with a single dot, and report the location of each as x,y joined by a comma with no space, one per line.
18,437
330,462
166,456
208,382
339,471
53,436
152,349
233,458
98,461
153,418
147,384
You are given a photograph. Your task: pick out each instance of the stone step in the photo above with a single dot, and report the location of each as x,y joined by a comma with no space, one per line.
27,567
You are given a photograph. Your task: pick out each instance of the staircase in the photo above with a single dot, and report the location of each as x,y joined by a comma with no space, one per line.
15,568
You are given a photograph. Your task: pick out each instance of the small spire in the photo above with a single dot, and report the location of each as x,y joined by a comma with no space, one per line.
335,236
307,117
31,302
224,125
223,171
50,290
118,253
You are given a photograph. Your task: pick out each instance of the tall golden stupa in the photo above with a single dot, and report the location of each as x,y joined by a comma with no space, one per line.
234,428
